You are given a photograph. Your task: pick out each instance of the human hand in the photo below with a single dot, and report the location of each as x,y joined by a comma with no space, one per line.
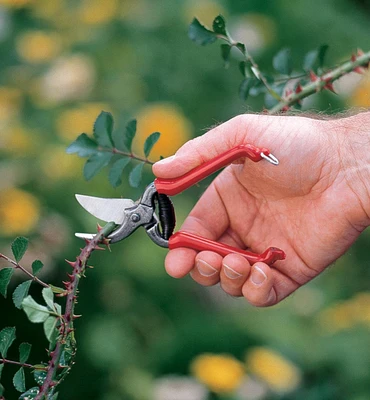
313,205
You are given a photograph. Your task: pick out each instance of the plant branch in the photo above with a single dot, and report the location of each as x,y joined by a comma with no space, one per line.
319,83
114,150
66,330
6,361
254,66
15,265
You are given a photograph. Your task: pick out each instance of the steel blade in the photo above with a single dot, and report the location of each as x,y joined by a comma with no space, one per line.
105,209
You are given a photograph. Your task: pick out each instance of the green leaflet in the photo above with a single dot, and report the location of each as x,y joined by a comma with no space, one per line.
5,276
20,292
7,337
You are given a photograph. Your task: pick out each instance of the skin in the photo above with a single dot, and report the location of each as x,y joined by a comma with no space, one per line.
313,205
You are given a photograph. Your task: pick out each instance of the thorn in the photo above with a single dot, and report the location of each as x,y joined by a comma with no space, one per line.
63,294
360,52
99,227
87,241
285,109
313,76
360,70
75,316
288,92
98,248
89,266
71,263
71,277
353,57
330,87
298,88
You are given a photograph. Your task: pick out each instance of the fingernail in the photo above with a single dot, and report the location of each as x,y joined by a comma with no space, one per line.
166,160
230,273
258,276
205,269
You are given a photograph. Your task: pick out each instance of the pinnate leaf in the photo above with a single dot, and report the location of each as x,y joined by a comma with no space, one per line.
24,352
20,292
115,173
200,34
130,132
103,129
35,312
282,62
19,247
219,25
37,266
95,164
84,146
5,276
19,381
150,141
136,174
7,337
30,394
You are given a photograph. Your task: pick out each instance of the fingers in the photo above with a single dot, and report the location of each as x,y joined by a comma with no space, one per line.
238,130
236,277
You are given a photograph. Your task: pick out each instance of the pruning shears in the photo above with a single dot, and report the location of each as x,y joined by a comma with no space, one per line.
130,215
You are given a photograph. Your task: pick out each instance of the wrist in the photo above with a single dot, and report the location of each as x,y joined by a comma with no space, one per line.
354,136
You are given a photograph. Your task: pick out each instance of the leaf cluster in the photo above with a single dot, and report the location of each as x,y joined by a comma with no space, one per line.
254,81
113,148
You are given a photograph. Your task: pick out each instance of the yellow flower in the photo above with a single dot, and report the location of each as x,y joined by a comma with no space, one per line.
57,164
19,212
38,46
221,373
167,119
15,3
10,102
205,11
17,140
98,12
361,95
279,373
79,120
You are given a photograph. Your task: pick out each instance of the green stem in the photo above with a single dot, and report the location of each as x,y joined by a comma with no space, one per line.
15,265
321,81
255,68
125,154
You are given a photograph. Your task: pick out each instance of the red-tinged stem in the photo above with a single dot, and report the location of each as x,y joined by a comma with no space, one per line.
321,82
67,331
6,361
15,265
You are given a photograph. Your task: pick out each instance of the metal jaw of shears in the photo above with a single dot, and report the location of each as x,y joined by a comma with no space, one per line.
130,215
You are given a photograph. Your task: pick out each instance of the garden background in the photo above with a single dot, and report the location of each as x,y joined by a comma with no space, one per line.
144,335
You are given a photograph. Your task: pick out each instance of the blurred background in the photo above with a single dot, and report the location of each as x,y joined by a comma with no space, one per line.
144,335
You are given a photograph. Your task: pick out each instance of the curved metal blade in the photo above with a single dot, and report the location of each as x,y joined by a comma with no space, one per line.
105,209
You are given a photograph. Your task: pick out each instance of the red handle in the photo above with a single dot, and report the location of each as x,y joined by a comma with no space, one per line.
185,239
174,186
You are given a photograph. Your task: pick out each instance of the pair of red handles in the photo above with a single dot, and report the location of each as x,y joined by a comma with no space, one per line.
174,186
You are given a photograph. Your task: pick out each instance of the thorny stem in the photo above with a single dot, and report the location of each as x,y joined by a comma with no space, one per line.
114,150
321,82
67,331
15,265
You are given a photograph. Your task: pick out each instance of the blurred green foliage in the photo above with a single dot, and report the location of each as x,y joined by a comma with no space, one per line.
64,61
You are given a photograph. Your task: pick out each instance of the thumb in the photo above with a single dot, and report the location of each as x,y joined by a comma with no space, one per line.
238,130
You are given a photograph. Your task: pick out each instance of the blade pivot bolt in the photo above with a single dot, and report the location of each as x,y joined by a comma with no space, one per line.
135,218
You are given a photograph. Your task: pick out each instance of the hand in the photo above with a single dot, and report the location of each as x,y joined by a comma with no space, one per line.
313,205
